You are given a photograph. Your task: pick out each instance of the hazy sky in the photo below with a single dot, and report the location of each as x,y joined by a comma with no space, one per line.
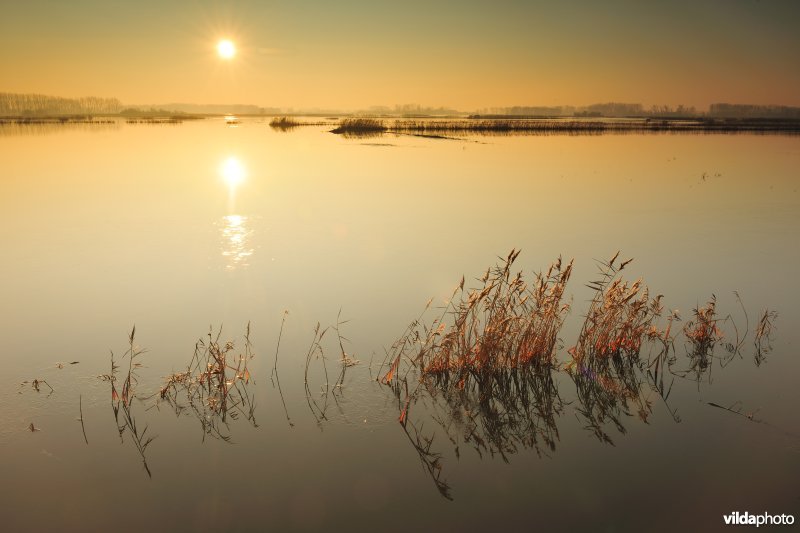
353,53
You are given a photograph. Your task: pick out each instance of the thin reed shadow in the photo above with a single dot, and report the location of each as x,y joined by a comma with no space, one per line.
275,378
122,403
763,336
318,408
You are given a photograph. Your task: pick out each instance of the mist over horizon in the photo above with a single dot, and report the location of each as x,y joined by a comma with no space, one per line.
13,104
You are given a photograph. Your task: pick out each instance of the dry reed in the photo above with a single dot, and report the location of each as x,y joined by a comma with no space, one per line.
606,360
702,330
214,386
360,126
763,336
505,323
619,320
122,403
289,123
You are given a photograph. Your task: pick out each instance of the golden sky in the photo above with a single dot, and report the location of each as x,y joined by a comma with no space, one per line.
354,54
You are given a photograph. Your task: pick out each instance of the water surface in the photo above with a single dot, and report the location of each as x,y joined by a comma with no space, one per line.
182,228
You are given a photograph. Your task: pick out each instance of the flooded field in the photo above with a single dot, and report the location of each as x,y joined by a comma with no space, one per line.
222,325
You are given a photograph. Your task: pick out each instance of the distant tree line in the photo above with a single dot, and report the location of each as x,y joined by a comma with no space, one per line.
16,104
408,110
753,111
616,109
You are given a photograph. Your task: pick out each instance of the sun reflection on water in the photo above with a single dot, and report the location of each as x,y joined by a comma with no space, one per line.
236,234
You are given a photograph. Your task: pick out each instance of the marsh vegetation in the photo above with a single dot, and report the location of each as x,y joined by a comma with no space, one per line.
485,370
372,126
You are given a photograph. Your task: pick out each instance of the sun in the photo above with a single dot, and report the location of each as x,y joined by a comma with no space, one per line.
226,49
233,172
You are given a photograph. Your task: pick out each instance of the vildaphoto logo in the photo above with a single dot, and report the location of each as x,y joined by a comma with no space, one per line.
746,519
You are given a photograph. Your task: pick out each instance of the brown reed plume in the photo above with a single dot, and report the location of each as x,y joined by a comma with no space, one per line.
620,319
606,364
703,334
486,365
505,323
702,330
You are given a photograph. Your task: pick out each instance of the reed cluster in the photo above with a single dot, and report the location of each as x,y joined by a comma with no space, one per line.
505,323
620,319
214,385
289,123
702,330
360,125
284,123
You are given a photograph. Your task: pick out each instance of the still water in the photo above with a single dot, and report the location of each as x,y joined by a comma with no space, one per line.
210,226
